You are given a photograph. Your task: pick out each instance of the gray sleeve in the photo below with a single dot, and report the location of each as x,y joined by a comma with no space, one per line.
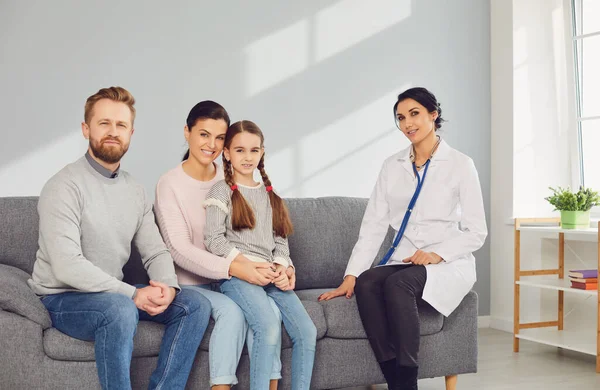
155,256
217,212
281,253
59,208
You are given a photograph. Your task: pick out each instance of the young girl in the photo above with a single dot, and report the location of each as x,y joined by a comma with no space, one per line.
246,218
180,215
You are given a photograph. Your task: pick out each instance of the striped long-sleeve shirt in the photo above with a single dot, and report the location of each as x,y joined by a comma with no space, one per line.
258,244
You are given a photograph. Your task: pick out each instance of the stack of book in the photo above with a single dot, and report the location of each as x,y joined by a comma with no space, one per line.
584,279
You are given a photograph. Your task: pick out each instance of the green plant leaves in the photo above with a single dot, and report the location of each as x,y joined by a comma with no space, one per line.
564,199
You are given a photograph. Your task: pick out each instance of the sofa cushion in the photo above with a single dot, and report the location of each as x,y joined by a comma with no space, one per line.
148,337
343,320
59,346
18,298
19,232
325,232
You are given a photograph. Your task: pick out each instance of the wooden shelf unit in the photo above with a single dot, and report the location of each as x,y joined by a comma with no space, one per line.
541,332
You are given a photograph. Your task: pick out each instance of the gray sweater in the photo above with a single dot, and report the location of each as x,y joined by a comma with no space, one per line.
87,225
258,244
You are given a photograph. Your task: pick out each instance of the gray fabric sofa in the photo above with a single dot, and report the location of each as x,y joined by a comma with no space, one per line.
33,355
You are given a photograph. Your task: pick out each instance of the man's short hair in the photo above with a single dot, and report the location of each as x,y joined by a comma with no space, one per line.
116,94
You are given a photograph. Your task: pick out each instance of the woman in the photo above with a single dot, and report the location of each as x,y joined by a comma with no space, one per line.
181,219
434,191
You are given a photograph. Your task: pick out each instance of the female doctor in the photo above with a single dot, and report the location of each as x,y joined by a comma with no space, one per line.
434,191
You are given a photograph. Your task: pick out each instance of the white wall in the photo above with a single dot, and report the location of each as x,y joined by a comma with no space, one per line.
532,129
541,121
501,204
319,77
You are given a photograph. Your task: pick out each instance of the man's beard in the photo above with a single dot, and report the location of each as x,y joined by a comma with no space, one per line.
106,153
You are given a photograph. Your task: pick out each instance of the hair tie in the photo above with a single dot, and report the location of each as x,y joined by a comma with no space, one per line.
233,187
269,188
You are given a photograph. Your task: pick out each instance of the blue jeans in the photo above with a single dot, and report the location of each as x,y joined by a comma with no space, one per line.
228,336
253,300
110,320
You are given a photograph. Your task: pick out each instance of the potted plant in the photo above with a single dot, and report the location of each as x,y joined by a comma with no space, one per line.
574,207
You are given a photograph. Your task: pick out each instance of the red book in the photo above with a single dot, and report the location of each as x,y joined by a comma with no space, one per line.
580,280
584,286
584,273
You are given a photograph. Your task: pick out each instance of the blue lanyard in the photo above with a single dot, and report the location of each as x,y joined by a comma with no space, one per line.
411,205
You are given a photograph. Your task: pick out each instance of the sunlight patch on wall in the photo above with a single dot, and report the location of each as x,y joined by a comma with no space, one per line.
280,166
522,111
276,57
291,50
342,156
349,133
519,47
349,22
27,175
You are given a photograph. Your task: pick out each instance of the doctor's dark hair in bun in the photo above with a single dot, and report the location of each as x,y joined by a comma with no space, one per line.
426,99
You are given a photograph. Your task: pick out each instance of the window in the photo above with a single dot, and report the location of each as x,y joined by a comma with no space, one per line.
586,46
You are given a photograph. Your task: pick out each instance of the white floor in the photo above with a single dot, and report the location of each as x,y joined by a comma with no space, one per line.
536,366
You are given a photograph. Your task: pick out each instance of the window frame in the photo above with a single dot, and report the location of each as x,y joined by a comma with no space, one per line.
578,78
576,106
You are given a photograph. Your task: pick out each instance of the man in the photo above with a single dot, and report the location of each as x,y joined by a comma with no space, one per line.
90,214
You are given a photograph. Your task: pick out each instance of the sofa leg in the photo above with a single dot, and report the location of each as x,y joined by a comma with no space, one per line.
451,382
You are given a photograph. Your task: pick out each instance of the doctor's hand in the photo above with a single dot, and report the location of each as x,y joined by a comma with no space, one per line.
346,288
423,258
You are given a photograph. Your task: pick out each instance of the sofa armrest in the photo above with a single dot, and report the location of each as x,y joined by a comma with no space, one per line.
453,350
18,298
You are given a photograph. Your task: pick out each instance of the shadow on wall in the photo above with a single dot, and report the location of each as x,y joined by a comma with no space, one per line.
294,68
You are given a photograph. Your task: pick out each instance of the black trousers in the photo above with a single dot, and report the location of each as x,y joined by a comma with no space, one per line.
387,300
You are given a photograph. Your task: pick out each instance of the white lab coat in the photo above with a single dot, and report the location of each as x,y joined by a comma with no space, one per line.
448,219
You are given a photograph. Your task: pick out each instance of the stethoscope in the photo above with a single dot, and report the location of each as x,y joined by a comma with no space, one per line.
411,204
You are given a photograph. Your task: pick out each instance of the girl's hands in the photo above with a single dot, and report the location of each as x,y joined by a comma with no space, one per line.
291,274
259,273
281,281
263,273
